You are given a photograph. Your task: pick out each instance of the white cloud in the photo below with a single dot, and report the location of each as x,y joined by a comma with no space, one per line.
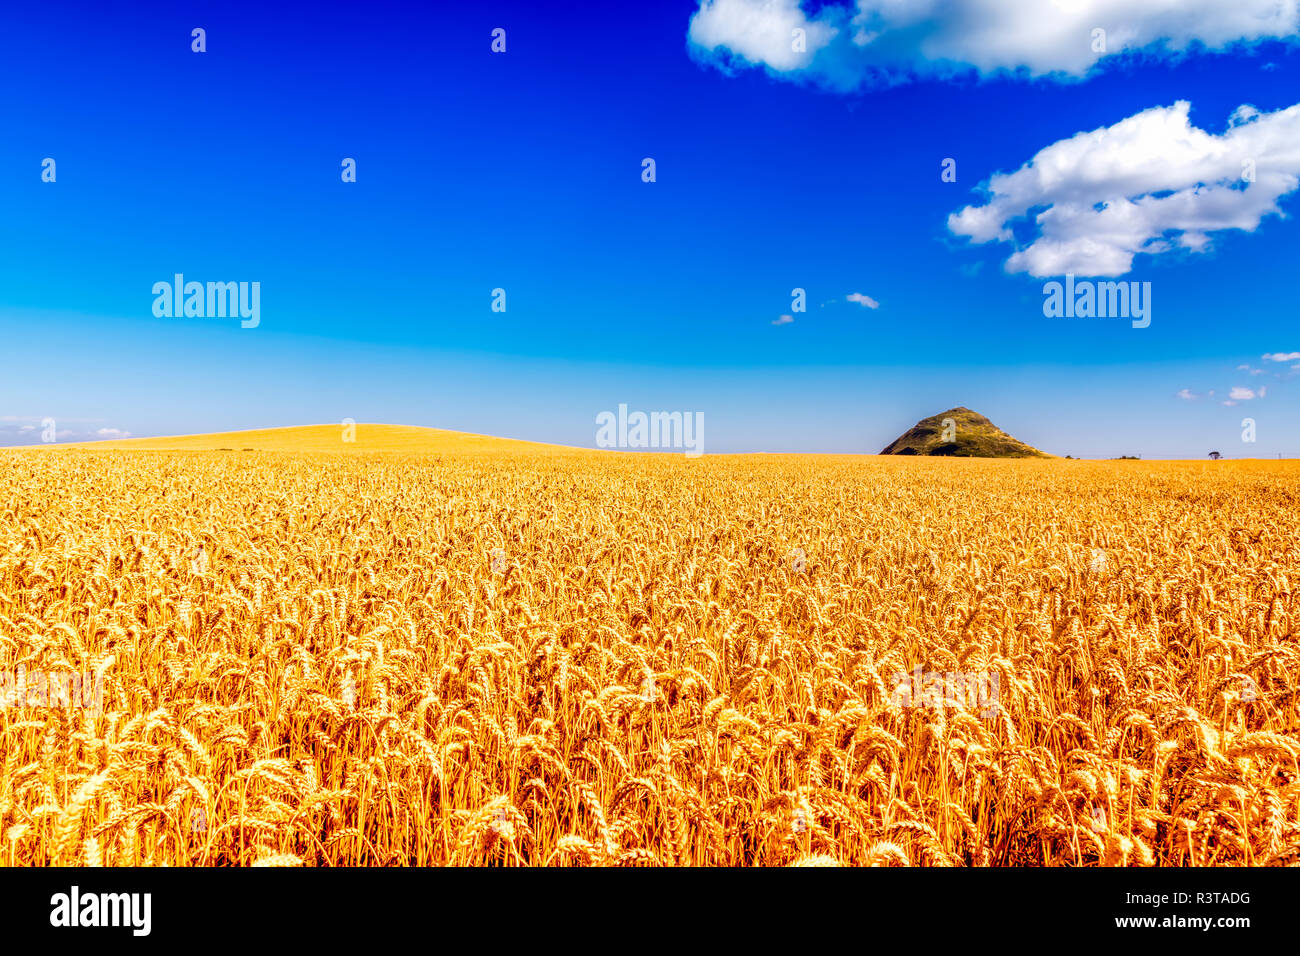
759,31
864,300
1281,356
112,433
850,45
783,320
1151,183
1241,394
1187,394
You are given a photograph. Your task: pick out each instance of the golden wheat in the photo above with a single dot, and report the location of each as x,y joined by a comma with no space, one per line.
528,658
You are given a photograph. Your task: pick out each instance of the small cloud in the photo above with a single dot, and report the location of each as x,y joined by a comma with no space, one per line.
1230,403
1241,394
1187,395
971,269
1262,390
864,300
27,428
1242,368
112,433
783,320
1269,67
1281,356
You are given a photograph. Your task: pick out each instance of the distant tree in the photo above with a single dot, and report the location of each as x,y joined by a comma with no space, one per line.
1215,455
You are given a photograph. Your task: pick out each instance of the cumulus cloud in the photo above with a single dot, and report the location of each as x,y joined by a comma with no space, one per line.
848,45
1280,356
863,300
761,31
1239,394
1187,394
1152,183
783,320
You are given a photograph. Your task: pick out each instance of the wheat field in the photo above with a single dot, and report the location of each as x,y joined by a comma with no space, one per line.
522,656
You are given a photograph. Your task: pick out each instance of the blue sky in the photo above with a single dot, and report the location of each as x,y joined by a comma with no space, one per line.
774,171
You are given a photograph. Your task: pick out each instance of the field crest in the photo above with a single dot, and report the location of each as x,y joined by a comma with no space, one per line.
327,438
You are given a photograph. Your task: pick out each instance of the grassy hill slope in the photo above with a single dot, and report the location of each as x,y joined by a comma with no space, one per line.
973,436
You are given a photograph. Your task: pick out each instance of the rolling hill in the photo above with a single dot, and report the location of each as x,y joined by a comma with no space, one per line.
970,435
325,438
